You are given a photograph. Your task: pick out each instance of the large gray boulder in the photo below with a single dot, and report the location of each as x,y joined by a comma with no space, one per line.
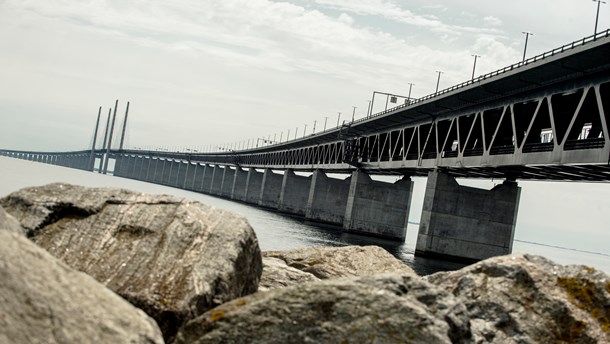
9,223
42,300
529,299
277,274
173,258
372,309
346,261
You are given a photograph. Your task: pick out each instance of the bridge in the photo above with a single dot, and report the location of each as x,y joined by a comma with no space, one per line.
545,118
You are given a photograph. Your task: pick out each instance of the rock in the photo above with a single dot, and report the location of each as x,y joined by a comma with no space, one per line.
9,223
172,258
371,309
529,299
276,274
334,262
42,300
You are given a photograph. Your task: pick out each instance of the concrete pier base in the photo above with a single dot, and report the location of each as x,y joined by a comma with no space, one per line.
216,184
465,223
327,198
207,175
378,208
228,178
189,177
253,186
238,191
295,193
270,189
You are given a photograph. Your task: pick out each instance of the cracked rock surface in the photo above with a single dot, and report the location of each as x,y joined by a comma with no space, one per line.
530,299
173,258
373,309
285,268
42,300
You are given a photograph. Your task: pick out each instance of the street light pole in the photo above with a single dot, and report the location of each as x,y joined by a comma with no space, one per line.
410,88
353,113
527,34
475,64
338,118
305,130
599,2
325,120
368,110
314,127
438,81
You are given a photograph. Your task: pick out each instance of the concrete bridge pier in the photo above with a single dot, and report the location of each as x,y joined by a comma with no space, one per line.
271,188
189,176
378,208
238,190
216,183
228,178
143,168
466,223
206,178
254,183
327,198
295,193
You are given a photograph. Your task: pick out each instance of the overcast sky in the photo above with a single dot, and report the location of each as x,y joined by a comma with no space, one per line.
201,73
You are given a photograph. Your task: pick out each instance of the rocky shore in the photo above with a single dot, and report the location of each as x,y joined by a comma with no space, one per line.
114,266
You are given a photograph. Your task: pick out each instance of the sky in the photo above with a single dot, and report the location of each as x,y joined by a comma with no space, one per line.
210,73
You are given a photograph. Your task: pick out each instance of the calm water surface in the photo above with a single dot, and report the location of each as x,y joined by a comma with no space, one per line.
274,231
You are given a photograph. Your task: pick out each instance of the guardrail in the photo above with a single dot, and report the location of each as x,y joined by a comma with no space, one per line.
544,55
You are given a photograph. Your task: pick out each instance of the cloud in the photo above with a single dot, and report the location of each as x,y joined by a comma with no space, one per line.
494,21
391,11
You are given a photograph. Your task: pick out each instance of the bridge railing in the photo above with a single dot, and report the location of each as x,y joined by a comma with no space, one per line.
549,53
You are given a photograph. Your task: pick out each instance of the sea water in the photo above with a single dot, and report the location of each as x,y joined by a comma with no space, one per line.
277,231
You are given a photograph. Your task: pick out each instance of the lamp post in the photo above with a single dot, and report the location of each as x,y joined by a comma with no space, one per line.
353,113
314,127
338,118
475,64
438,81
599,2
410,88
305,130
368,110
527,34
325,120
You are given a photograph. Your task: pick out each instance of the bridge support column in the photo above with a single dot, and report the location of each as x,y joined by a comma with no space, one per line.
228,178
207,178
295,193
181,167
238,191
466,223
216,186
119,166
143,167
327,198
271,188
154,175
253,186
165,172
198,174
378,208
189,177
